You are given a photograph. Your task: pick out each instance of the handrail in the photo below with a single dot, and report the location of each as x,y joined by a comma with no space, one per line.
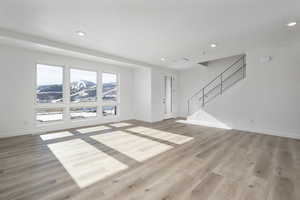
222,80
227,78
218,76
224,71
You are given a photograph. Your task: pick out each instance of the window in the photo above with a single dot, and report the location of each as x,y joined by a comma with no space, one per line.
80,101
109,94
109,87
83,86
109,110
83,112
49,84
44,115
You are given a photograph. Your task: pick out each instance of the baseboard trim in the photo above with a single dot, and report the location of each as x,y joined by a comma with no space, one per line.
204,123
53,127
243,130
272,133
15,133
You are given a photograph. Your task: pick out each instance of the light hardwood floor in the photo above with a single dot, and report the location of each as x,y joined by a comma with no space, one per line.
216,165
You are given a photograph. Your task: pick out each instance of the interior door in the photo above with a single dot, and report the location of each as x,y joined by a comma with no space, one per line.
168,96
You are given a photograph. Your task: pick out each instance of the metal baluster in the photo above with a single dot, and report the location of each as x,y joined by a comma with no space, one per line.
221,84
189,106
203,97
244,67
240,61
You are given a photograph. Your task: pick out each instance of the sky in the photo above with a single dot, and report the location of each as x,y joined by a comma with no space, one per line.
78,75
48,75
109,78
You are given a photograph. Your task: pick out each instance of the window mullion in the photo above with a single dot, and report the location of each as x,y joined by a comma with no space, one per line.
66,93
99,96
83,91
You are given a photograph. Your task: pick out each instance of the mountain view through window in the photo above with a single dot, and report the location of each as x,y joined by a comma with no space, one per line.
82,90
49,84
109,86
83,86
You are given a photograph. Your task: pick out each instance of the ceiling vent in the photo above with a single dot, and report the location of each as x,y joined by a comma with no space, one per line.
203,63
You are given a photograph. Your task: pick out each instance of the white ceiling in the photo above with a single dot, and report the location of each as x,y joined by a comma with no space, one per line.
146,31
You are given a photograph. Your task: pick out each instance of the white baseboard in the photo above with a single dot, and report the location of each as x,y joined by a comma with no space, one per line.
205,123
15,133
272,133
57,127
257,131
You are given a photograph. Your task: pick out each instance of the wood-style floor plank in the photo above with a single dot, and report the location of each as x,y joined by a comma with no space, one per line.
216,164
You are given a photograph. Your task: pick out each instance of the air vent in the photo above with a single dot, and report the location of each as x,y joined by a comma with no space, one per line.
204,63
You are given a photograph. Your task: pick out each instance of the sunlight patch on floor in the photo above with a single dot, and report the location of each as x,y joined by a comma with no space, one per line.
85,163
55,135
204,118
163,135
93,129
120,125
133,146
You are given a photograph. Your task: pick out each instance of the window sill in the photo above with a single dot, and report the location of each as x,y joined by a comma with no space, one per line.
50,123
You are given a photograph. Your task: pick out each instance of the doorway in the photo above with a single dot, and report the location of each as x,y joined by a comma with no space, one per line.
168,97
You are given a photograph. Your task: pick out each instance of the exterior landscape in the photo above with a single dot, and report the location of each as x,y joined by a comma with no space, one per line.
80,91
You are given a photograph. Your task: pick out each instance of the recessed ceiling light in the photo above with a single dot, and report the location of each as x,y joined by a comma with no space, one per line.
163,59
292,24
213,45
80,33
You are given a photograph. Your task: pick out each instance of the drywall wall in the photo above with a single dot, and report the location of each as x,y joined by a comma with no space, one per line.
149,93
142,94
193,79
141,91
17,86
267,101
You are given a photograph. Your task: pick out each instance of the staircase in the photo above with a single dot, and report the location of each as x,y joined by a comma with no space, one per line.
233,74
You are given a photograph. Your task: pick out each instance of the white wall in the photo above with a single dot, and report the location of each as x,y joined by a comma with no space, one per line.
142,94
141,91
149,93
194,79
17,84
267,101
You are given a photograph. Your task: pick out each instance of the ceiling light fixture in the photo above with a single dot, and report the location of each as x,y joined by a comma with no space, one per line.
291,24
80,33
213,45
163,59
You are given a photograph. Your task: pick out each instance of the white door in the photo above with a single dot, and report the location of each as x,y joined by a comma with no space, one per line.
168,97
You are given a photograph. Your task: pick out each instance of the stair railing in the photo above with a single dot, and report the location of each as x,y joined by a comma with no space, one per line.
234,73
